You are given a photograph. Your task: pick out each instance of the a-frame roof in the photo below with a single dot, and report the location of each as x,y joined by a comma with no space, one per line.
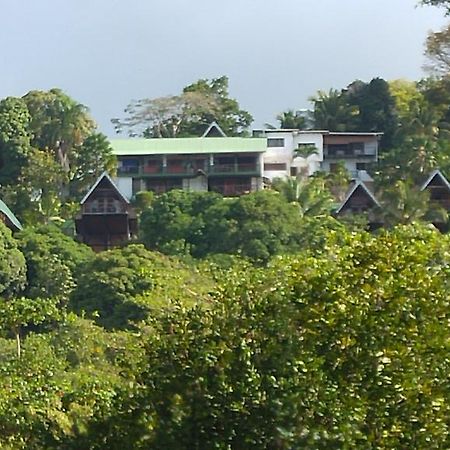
214,126
434,174
358,185
94,186
10,216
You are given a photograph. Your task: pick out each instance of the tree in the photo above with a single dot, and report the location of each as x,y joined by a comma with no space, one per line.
48,239
403,203
12,265
311,195
308,352
20,312
376,109
255,226
437,51
332,112
163,117
265,224
107,287
187,114
58,124
90,159
294,120
49,153
337,181
37,196
122,287
143,200
233,120
441,3
14,139
177,223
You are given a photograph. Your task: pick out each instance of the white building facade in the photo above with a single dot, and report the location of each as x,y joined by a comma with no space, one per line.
301,153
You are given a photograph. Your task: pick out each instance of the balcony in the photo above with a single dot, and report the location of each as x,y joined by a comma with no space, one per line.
104,206
186,170
234,169
342,152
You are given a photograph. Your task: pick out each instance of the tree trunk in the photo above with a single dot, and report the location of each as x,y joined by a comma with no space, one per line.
16,331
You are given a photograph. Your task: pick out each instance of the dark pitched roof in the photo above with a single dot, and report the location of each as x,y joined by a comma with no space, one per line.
357,185
99,179
436,173
214,127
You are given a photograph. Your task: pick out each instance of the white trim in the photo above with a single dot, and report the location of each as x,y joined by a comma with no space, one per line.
352,191
430,179
100,178
216,126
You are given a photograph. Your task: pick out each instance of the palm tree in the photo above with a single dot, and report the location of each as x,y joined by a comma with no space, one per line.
311,195
404,203
294,120
332,112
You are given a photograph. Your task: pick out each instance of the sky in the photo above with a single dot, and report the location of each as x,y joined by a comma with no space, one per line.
276,53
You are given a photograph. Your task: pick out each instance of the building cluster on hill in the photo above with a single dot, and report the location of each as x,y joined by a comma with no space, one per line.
231,166
235,165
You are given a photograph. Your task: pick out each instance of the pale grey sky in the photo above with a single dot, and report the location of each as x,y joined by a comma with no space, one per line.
276,53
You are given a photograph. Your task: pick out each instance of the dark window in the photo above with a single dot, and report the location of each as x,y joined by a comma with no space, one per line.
361,166
293,171
275,166
161,186
230,187
275,142
129,165
350,149
334,167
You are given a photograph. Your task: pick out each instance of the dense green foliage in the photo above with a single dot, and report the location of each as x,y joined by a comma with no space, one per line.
12,265
343,347
53,261
264,323
121,287
256,226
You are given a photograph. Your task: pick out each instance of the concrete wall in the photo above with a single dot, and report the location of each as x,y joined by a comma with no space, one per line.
197,184
125,185
285,155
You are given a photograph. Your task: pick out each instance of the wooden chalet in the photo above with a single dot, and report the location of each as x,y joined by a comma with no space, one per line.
8,218
106,218
360,200
438,188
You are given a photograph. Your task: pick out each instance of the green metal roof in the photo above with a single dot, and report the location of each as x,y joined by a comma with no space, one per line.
125,147
8,213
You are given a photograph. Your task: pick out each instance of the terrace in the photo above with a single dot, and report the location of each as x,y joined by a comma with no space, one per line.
188,166
350,150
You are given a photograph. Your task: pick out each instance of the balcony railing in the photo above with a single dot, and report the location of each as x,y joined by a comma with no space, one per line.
234,168
108,208
186,171
369,151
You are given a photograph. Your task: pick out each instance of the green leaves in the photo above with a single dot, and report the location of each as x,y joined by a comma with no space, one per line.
12,265
187,114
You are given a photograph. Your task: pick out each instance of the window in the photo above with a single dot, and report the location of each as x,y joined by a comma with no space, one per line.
129,165
161,186
294,171
361,166
275,142
275,166
334,167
